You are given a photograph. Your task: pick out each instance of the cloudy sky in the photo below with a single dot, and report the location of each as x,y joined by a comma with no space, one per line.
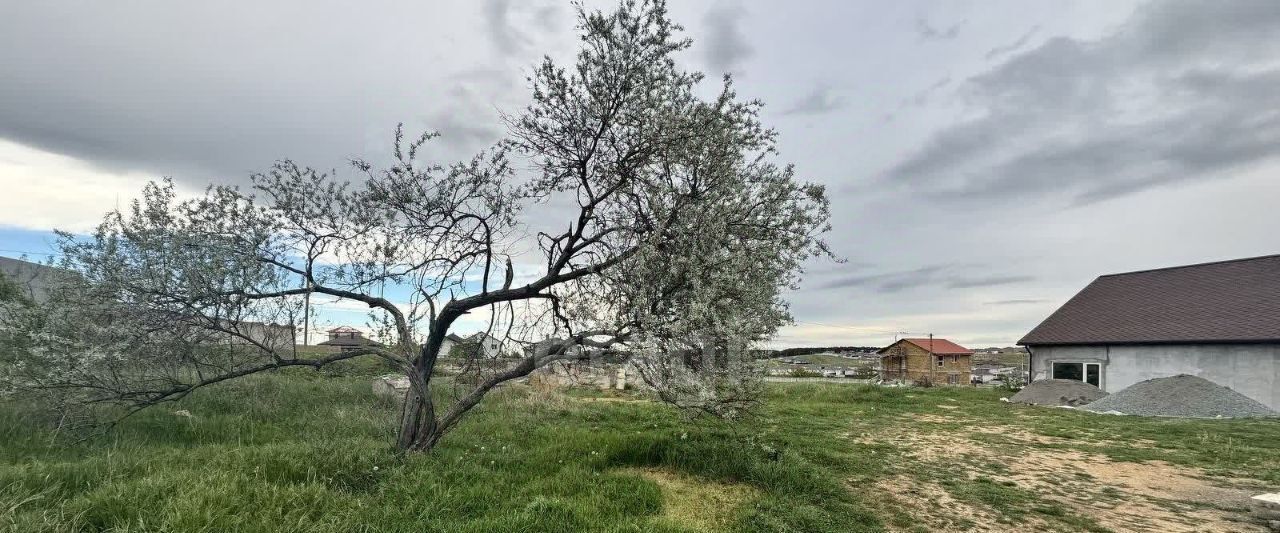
986,159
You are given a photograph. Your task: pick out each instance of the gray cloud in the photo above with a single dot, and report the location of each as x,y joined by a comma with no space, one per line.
947,276
1016,302
923,97
505,37
725,46
1149,105
819,101
204,93
507,23
928,32
987,281
888,281
1014,46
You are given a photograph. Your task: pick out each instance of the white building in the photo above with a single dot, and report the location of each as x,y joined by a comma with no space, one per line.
1219,321
490,346
447,344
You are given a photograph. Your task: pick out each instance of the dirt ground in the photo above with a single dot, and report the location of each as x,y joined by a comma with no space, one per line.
1118,496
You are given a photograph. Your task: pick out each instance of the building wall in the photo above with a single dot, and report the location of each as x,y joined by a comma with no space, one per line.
492,347
1250,369
276,336
921,366
33,280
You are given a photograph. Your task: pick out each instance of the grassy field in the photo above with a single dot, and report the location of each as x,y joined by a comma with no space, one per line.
310,452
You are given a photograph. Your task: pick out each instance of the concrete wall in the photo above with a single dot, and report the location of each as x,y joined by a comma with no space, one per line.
587,374
1250,369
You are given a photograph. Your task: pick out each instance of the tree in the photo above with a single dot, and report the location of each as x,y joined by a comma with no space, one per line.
682,236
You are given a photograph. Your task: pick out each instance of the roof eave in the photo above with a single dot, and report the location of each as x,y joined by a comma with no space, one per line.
1025,342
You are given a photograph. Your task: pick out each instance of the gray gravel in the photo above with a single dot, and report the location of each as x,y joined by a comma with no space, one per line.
1058,392
1181,396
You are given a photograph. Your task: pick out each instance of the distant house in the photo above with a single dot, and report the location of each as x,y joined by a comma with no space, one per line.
987,373
487,346
982,375
346,339
1219,321
449,342
490,346
935,361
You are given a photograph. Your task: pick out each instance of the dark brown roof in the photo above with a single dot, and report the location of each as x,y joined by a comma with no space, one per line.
935,346
1228,301
347,341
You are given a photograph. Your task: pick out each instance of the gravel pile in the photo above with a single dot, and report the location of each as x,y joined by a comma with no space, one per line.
1181,396
1058,392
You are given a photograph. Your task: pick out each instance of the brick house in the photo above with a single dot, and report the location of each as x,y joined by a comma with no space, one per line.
347,339
933,361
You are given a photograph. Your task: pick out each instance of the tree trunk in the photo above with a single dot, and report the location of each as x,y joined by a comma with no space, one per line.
419,429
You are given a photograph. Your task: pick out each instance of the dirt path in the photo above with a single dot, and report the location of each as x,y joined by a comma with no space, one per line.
1118,496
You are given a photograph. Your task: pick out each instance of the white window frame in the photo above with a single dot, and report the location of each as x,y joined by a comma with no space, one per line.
1084,370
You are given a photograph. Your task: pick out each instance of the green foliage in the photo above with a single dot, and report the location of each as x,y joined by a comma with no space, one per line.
804,373
465,351
10,292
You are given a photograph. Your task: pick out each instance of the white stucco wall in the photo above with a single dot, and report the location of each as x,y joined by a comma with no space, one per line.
1250,369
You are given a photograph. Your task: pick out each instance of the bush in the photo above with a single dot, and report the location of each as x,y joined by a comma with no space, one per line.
804,373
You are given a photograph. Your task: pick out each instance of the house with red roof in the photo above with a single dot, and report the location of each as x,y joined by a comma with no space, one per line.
922,361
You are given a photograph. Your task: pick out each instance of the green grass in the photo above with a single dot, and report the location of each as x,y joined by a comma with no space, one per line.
311,452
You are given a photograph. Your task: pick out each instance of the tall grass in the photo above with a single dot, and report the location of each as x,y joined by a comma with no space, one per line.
291,452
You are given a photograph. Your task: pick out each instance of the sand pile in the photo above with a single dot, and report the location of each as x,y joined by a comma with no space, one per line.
1058,392
1181,396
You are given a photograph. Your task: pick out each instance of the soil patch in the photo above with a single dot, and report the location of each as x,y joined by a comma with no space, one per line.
921,501
1120,496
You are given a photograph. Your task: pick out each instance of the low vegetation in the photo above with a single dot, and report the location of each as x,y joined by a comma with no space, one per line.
311,451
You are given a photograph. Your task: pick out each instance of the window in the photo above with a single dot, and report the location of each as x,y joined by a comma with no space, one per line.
1090,373
940,361
955,359
953,379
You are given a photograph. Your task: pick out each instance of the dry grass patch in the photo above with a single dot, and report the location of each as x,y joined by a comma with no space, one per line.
615,399
913,505
1119,496
695,503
